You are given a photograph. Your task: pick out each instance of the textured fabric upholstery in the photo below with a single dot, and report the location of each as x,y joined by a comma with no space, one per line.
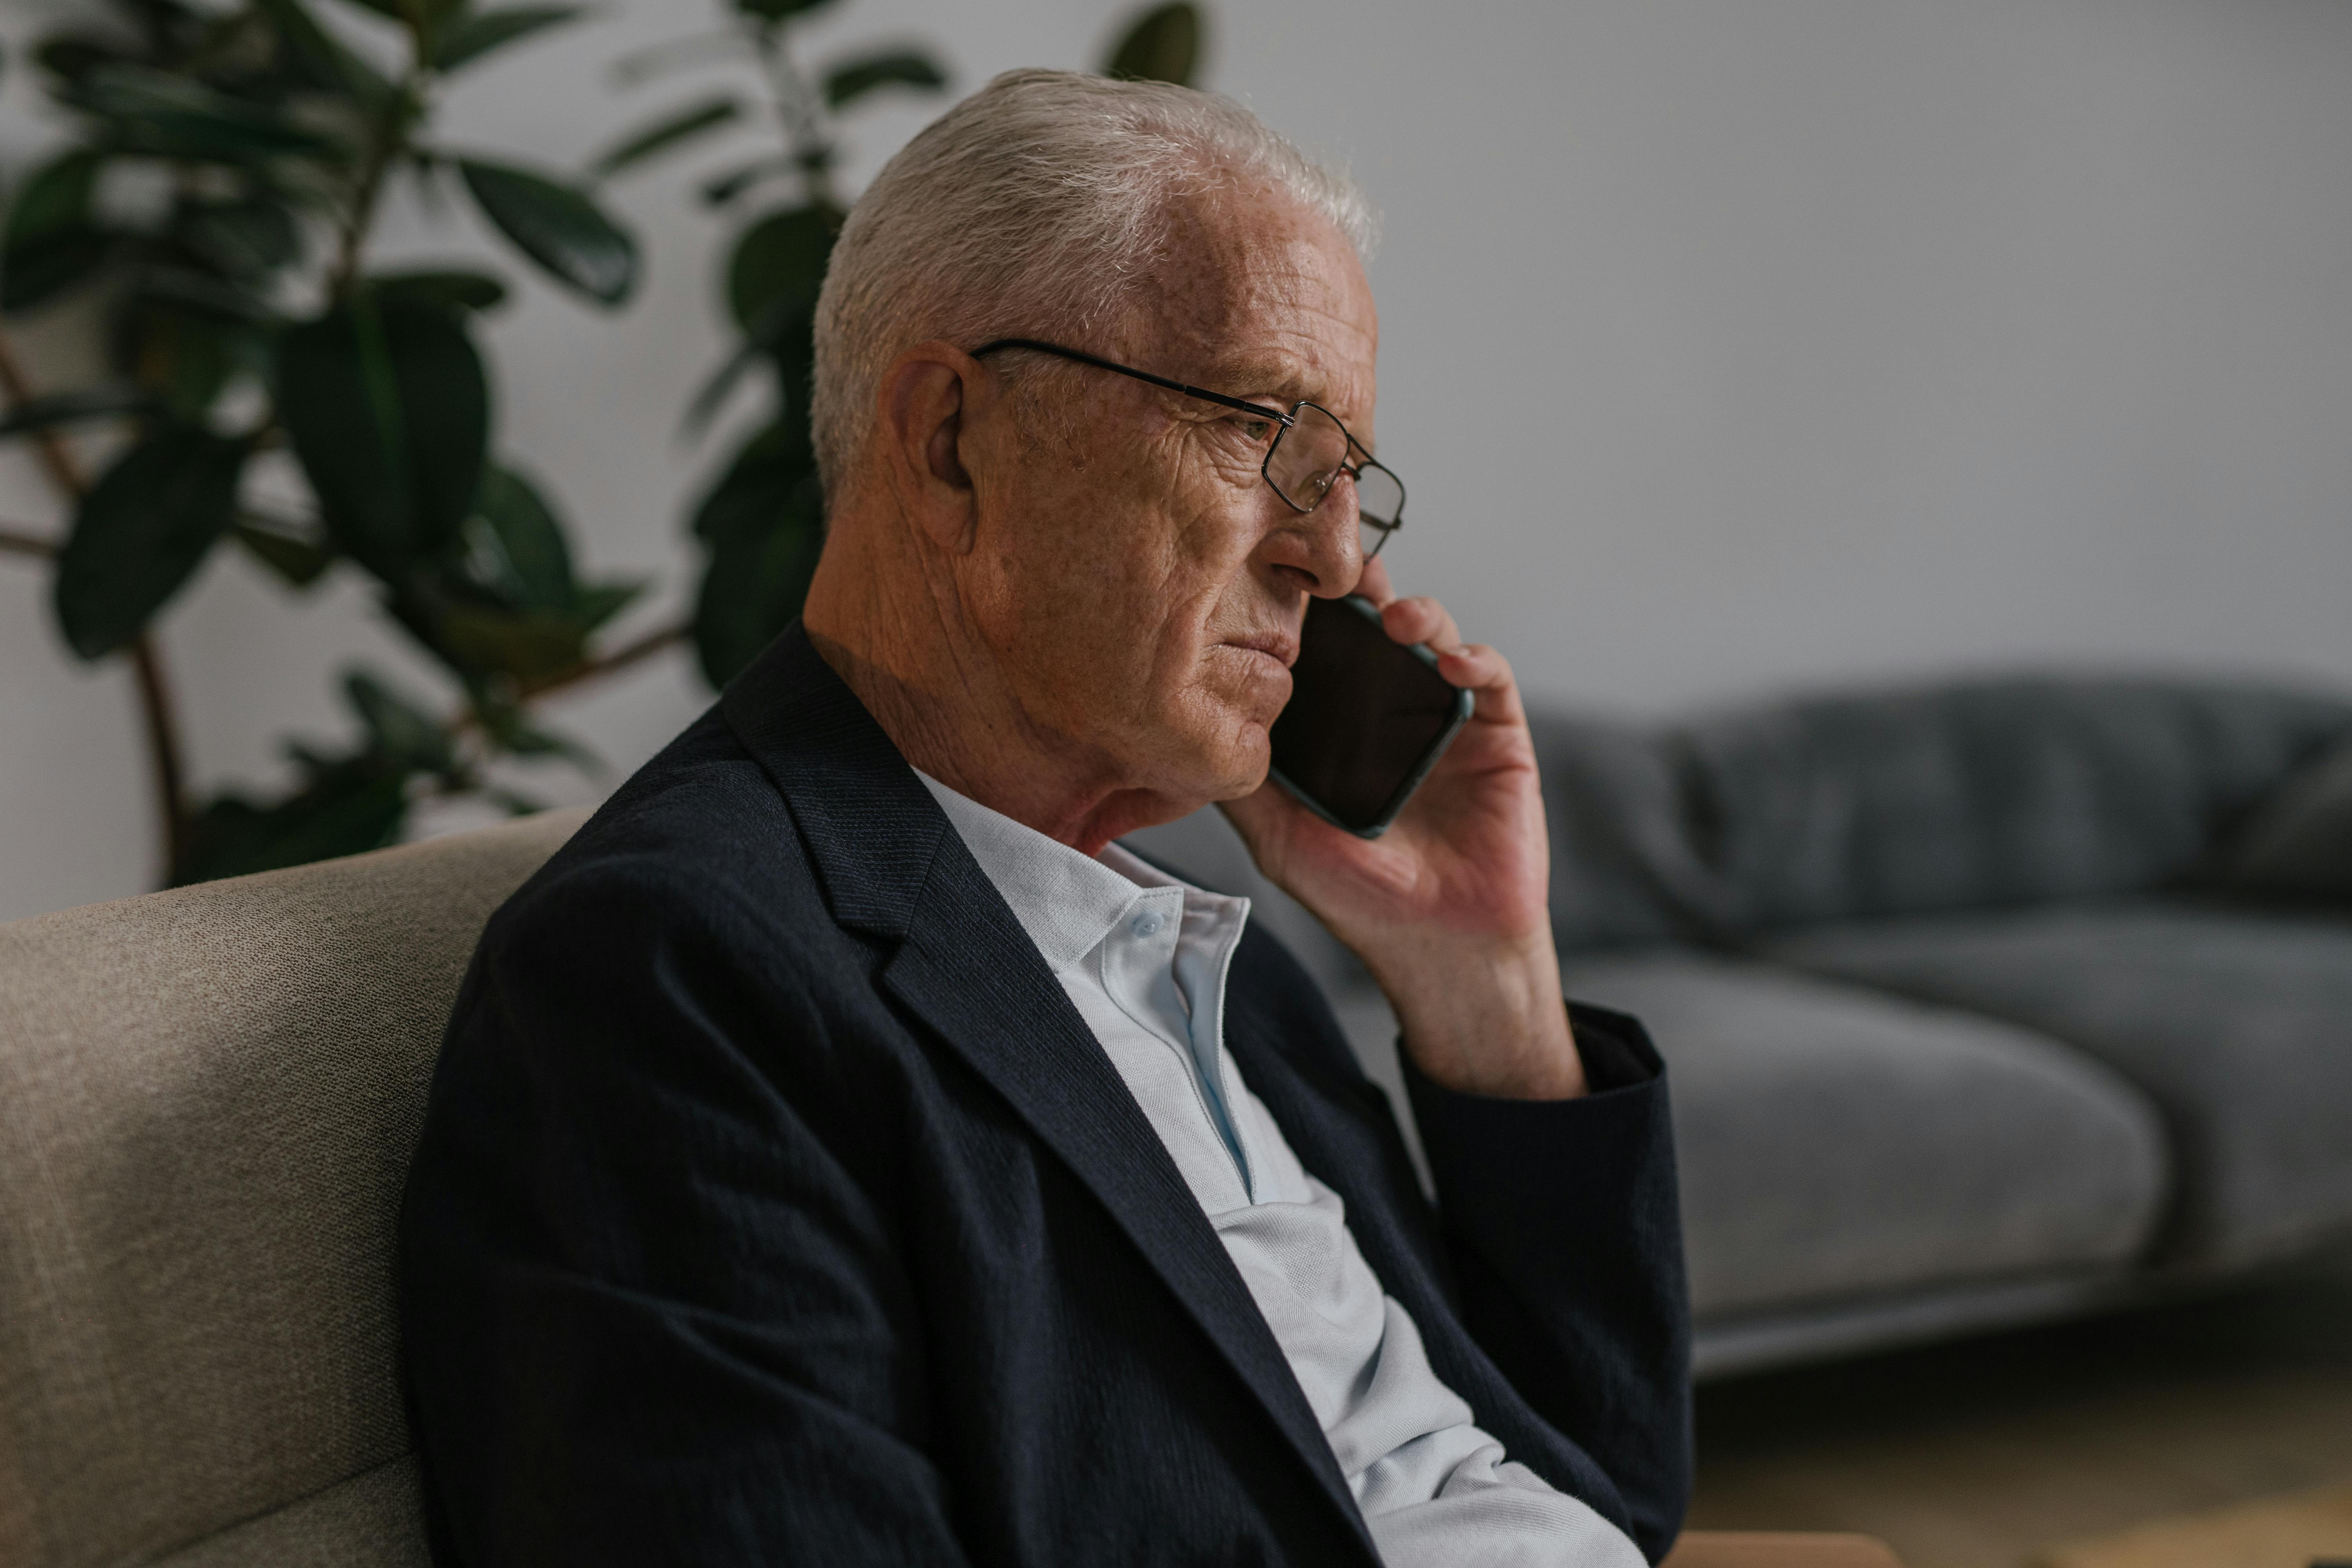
207,1102
1930,799
2297,841
2237,1024
1836,1143
1982,794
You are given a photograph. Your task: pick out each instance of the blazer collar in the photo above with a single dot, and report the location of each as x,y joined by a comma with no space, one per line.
872,828
892,866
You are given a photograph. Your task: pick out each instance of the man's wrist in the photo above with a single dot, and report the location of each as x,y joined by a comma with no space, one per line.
1483,1017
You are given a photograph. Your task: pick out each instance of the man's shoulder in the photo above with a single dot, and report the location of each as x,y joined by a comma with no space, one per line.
699,837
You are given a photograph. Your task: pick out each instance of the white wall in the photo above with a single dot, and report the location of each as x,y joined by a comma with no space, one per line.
1727,348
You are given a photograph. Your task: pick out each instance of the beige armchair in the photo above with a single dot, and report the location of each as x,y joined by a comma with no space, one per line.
207,1101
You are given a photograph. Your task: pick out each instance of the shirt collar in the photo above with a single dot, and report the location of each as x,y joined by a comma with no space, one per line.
1066,903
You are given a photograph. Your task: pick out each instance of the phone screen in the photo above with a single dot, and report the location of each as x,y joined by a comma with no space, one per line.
1367,720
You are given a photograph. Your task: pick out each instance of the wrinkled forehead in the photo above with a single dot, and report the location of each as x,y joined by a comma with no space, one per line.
1257,296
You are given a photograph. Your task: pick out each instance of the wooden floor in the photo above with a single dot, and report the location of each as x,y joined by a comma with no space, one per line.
1981,1453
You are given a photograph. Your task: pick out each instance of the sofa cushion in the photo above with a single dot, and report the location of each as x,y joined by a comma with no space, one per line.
2297,841
1624,865
207,1102
1836,1142
1984,794
2237,1024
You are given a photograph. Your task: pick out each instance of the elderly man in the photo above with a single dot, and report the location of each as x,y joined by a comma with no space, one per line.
845,1153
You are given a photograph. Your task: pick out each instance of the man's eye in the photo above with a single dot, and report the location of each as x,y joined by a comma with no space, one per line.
1255,430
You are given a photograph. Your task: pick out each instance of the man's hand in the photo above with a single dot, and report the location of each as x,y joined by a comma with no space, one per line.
1448,907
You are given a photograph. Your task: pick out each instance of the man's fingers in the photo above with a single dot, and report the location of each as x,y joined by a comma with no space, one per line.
1474,667
1423,620
1486,676
1374,584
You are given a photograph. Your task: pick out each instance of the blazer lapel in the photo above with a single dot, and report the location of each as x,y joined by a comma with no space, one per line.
893,865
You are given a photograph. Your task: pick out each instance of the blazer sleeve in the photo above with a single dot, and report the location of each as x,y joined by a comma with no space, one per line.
1566,1237
651,1307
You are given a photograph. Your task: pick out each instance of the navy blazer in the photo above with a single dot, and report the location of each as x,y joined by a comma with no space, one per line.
774,1204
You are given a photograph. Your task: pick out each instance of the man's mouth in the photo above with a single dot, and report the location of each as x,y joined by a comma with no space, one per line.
1280,646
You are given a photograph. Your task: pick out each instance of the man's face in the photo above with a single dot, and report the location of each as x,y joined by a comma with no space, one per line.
1141,584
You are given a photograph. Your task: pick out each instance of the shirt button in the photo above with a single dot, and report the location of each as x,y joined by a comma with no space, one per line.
1146,924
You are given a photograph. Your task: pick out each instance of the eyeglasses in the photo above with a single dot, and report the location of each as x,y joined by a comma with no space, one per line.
1311,449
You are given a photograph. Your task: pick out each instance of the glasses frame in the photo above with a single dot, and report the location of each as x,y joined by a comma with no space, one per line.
1286,421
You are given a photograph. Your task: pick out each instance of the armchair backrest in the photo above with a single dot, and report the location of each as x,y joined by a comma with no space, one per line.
208,1098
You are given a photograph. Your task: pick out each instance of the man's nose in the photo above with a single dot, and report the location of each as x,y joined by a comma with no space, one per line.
1326,544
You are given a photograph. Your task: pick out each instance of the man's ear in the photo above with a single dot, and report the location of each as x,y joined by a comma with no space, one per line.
927,398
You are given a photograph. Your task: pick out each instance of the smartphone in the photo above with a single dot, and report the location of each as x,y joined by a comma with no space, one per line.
1368,717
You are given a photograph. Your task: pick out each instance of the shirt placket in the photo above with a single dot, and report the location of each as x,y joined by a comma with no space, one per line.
1140,958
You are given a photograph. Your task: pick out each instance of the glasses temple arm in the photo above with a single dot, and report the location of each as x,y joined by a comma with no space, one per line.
1219,398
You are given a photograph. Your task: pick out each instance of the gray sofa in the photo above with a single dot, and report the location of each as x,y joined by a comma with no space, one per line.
1984,1002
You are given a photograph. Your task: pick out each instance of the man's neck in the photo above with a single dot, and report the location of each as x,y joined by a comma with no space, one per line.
933,684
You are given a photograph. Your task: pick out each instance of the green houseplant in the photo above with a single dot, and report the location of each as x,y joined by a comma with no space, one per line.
247,334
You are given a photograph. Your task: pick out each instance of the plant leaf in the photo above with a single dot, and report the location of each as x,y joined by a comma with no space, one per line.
70,407
330,67
765,467
597,603
347,810
848,82
388,410
752,590
300,562
643,65
454,289
56,197
70,57
183,357
514,804
724,188
41,269
51,242
525,644
556,227
425,18
532,560
669,131
778,267
1162,45
175,117
249,240
141,534
480,32
764,524
402,732
777,10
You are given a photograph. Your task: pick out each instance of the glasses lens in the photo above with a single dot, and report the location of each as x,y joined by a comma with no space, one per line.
1309,458
1306,460
1378,495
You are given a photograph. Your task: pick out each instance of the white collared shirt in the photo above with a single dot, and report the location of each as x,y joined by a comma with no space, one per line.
1143,957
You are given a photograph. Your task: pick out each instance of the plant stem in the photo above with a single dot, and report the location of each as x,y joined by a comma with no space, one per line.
163,749
387,144
620,658
161,722
796,106
587,669
56,457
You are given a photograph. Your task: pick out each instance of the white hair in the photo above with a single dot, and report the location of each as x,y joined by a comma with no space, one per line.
1031,210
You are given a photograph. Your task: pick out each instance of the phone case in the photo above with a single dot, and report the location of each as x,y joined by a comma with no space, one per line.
1436,749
